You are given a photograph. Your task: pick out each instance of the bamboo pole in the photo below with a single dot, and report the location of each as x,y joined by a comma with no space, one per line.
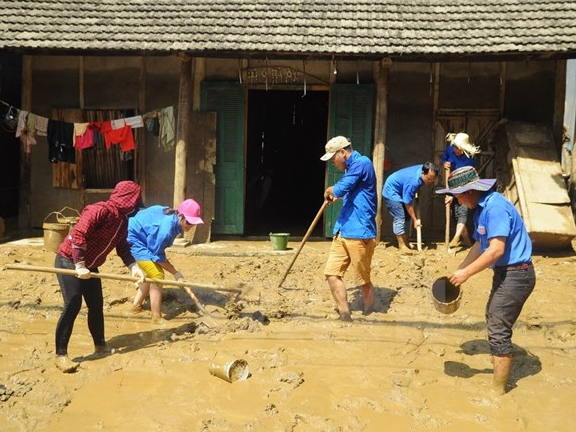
185,285
118,277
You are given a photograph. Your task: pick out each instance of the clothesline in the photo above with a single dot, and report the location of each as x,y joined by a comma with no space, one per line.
147,114
65,137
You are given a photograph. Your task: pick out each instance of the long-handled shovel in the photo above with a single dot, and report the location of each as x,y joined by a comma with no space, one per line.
306,236
185,285
447,230
419,228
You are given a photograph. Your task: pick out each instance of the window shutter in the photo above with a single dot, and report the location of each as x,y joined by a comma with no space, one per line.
351,115
227,100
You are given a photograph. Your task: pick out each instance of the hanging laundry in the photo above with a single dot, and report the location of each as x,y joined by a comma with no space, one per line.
41,125
31,124
60,142
25,130
167,128
117,124
83,136
22,114
123,136
134,122
152,122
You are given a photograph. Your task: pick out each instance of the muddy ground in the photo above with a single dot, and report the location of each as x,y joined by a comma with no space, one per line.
405,367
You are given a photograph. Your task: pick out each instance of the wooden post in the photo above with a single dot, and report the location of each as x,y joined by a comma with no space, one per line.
379,153
182,130
24,210
559,97
140,133
502,96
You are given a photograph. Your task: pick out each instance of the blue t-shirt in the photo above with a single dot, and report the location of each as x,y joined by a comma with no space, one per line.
150,232
456,161
497,217
357,219
403,184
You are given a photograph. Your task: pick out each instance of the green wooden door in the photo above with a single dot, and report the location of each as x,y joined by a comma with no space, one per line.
351,115
227,100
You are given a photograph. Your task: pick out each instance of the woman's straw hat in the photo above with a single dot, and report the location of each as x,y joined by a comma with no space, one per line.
462,141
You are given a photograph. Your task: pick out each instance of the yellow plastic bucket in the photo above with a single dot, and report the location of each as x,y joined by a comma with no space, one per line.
279,241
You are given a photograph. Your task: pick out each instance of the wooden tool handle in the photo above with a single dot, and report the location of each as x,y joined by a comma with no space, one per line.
306,236
116,277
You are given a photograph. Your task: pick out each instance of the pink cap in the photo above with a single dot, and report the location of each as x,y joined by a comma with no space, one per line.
191,211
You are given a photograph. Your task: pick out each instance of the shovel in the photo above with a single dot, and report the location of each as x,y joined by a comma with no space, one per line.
69,272
306,236
419,228
447,230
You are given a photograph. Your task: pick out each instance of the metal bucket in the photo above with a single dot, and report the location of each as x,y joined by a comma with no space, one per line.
225,366
446,296
56,232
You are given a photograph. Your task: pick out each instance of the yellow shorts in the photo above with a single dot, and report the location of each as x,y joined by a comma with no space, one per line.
356,253
151,269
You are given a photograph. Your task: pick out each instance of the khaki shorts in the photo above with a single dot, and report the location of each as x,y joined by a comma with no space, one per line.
356,253
151,269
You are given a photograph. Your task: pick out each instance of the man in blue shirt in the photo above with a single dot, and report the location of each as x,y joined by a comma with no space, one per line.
503,244
354,234
399,191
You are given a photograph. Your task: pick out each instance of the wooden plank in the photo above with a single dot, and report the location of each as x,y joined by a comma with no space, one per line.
200,168
521,195
538,183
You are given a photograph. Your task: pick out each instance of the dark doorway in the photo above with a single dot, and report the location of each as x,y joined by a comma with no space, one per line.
10,94
284,174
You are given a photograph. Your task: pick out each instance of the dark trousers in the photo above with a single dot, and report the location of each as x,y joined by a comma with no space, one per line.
73,290
510,290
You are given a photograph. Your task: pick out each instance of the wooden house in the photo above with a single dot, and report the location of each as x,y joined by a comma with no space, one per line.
258,88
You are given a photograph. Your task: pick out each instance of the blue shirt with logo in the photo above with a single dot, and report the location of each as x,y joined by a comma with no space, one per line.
357,219
403,184
497,217
150,232
456,161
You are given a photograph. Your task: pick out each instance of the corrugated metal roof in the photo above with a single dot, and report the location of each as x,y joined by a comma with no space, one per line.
311,27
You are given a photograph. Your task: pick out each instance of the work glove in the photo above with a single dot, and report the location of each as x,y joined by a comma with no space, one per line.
179,276
81,271
137,272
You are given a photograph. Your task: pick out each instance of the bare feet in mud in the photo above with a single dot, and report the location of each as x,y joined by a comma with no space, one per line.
368,301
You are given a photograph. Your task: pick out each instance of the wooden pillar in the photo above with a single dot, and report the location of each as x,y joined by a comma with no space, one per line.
381,117
502,95
559,100
140,132
183,128
199,74
2,226
24,210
